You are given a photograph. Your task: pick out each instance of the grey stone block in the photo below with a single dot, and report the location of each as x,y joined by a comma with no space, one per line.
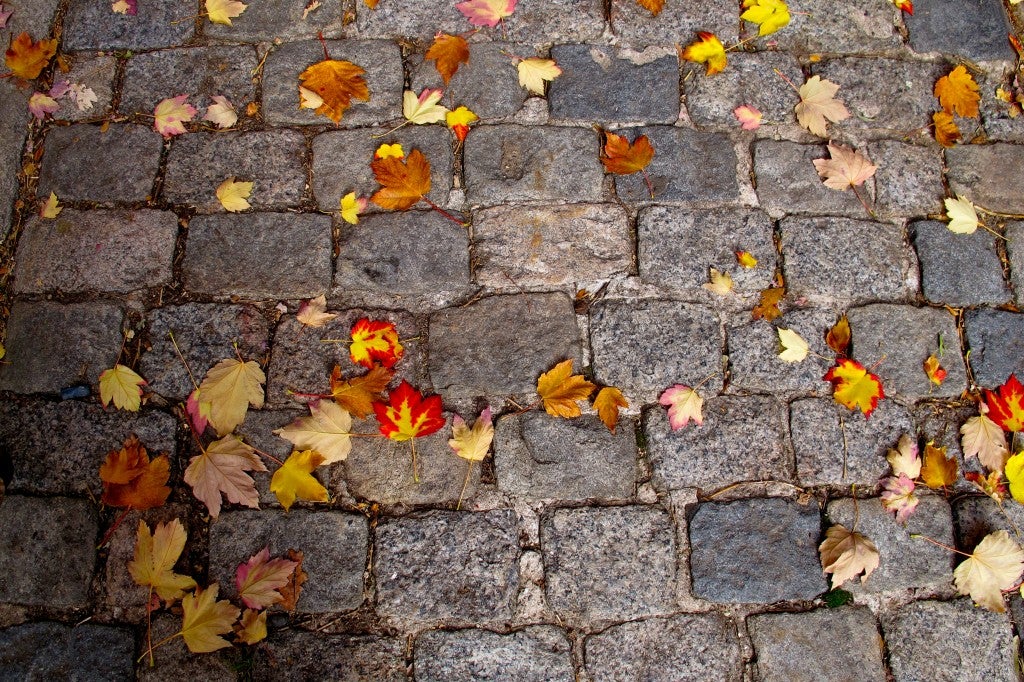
741,439
15,114
788,183
34,532
47,650
334,545
384,79
173,661
711,100
538,457
488,84
875,265
82,340
689,167
1015,252
590,87
986,174
931,640
824,644
131,158
92,25
975,29
845,27
299,655
692,646
259,255
551,245
500,345
96,73
675,23
280,20
899,339
835,446
609,563
959,269
506,163
535,654
36,17
976,517
1000,125
106,251
908,182
643,347
996,341
755,551
442,565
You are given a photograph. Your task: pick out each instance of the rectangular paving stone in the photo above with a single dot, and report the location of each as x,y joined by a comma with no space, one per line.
97,74
414,558
14,112
48,650
488,84
958,269
609,563
81,340
539,653
107,251
550,245
875,264
334,545
300,655
259,255
130,154
537,457
689,167
996,341
1014,233
838,27
280,20
676,23
34,532
384,79
755,551
975,30
986,174
754,363
173,661
711,100
92,25
908,182
788,183
741,439
273,160
590,86
506,163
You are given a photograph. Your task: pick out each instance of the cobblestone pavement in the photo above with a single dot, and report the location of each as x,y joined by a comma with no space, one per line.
578,554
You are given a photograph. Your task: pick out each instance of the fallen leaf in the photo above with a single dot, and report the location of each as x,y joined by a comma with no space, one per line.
992,485
847,168
198,412
898,496
748,116
486,12
155,555
171,114
838,337
621,157
403,183
233,195
375,342
938,470
720,282
223,11
294,479
129,7
41,106
220,469
221,113
845,553
313,313
746,260
472,443
983,438
769,15
559,389
326,430
934,371
905,459
906,5
963,218
818,103
607,403
230,387
947,133
448,52
336,83
260,578
794,347
958,93
357,395
534,72
423,109
252,628
1015,476
205,619
854,386
768,307
652,6
314,5
83,97
122,386
51,208
351,207
386,151
459,120
995,565
408,415
131,479
707,50
1006,406
27,58
683,405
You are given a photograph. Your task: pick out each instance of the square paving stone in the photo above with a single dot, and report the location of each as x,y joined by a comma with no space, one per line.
908,182
488,84
14,112
92,25
788,183
96,73
384,78
174,662
57,448
973,29
835,446
689,167
280,20
506,163
200,72
987,175
875,263
130,154
818,645
51,651
334,546
500,345
34,532
1015,252
643,347
676,23
711,100
444,565
551,245
755,551
537,457
899,339
259,255
298,655
691,646
81,340
959,269
106,251
677,247
535,654
838,27
609,563
950,641
996,342
590,86
741,439
906,562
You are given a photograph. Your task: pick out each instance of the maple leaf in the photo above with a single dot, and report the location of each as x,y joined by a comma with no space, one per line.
935,372
233,195
769,15
221,113
408,415
294,479
958,93
447,52
1015,476
845,553
351,207
291,591
721,282
313,313
534,72
221,470
559,389
992,485
472,443
818,103
336,83
129,7
155,555
486,12
746,260
358,394
767,308
905,459
794,347
459,120
403,183
854,386
198,412
327,430
707,50
223,11
375,342
946,131
963,218
621,157
995,565
748,116
938,470
423,109
607,403
898,496
41,106
131,479
83,97
27,58
205,619
171,114
683,405
51,208
1006,407
122,386
905,5
230,387
838,337
983,438
652,6
386,151
252,627
847,168
260,579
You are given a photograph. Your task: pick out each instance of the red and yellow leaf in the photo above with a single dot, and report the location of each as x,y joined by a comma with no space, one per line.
486,12
838,337
375,342
854,386
936,372
1006,407
408,415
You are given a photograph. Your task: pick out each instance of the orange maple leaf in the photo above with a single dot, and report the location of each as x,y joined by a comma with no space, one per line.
854,386
131,479
337,82
403,182
27,58
838,337
958,93
1006,408
607,403
621,157
448,52
559,389
358,394
768,307
937,469
408,415
946,131
652,6
373,342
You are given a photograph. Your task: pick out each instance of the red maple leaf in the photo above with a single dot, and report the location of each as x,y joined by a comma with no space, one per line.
1006,408
408,415
375,341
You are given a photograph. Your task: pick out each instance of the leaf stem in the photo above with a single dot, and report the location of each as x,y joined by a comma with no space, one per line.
183,361
114,526
647,179
919,536
267,455
415,473
443,212
465,484
398,127
152,646
862,202
785,78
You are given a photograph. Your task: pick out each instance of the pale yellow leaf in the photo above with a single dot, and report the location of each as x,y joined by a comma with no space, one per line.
984,439
221,113
963,218
794,347
721,283
995,565
472,443
534,72
326,430
845,553
233,195
51,208
817,104
230,387
223,11
313,313
423,109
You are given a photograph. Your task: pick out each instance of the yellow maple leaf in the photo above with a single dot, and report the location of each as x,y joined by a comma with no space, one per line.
232,195
51,208
707,50
472,443
252,628
458,120
534,72
854,386
205,619
746,259
607,403
769,15
294,479
155,556
387,151
958,93
223,11
721,283
995,565
122,386
351,207
963,217
336,83
559,389
230,387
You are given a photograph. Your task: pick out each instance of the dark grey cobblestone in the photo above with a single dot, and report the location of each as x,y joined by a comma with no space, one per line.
301,655
848,27
280,20
173,661
14,111
534,654
92,25
676,23
97,73
1015,253
959,269
975,31
488,84
47,650
908,182
985,175
996,341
